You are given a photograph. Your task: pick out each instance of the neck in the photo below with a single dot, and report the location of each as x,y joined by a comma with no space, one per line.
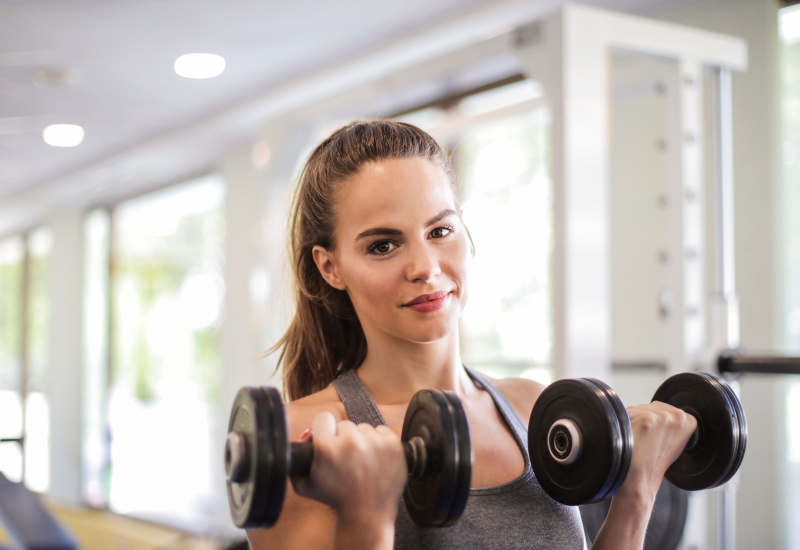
394,373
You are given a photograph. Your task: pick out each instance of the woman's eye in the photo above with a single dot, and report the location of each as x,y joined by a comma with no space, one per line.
382,247
439,232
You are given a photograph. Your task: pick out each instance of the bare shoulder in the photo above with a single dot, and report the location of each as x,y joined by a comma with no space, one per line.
520,392
301,413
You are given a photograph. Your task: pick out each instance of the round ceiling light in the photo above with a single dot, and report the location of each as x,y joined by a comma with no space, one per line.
63,135
199,65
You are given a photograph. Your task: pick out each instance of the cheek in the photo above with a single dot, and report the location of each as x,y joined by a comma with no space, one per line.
370,284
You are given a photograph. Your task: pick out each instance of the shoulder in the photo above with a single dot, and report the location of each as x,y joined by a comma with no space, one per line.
521,393
302,412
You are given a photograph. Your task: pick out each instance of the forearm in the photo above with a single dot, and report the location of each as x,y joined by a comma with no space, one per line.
626,523
309,525
364,531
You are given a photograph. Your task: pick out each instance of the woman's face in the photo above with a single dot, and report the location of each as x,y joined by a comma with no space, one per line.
401,251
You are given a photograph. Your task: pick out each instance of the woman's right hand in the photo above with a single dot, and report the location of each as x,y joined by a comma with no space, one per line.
359,471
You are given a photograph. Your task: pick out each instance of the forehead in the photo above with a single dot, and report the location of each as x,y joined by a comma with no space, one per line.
394,190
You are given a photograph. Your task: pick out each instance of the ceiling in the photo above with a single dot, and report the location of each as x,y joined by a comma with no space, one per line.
107,65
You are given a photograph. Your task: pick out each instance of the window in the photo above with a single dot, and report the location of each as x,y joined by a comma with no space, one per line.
507,326
24,328
11,321
37,427
160,383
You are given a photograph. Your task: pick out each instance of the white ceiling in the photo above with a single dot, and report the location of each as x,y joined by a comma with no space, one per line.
117,58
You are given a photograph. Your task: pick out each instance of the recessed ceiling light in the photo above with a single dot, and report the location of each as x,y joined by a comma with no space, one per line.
199,65
63,135
57,77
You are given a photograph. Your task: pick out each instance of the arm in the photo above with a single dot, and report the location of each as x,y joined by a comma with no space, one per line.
310,525
660,433
350,498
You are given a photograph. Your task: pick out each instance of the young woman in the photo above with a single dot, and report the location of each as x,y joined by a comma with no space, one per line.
381,259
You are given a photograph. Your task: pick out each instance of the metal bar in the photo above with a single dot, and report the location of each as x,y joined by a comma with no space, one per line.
723,158
724,235
739,364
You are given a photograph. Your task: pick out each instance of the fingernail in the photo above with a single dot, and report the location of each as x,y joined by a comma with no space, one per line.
306,434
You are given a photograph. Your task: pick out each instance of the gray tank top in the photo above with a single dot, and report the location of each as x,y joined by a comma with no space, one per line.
517,514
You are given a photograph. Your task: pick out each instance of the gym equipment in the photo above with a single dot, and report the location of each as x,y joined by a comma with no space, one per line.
716,449
580,439
735,361
259,457
667,520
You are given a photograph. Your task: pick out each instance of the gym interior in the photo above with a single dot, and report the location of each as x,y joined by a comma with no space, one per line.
629,172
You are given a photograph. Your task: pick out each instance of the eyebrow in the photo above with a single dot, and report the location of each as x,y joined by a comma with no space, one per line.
374,231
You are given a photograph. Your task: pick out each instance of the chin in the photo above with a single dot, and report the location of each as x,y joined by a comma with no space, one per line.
434,336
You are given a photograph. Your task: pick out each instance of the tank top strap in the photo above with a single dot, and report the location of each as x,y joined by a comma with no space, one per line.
508,413
358,403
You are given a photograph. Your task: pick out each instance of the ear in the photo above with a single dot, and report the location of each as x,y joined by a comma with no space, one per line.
327,267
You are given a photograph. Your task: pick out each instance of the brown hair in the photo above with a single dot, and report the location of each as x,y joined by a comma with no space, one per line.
325,337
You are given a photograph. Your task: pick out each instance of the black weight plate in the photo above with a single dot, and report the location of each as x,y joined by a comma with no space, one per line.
256,500
667,520
709,462
626,438
430,499
739,410
465,458
605,441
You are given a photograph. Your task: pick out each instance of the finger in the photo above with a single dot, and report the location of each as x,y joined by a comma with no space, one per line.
385,431
346,427
366,428
663,406
323,426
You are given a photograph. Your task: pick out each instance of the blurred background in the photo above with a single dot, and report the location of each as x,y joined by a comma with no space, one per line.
143,213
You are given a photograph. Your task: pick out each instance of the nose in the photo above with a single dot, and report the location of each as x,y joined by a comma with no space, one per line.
423,263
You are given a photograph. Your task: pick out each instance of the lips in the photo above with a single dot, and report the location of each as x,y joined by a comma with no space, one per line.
428,302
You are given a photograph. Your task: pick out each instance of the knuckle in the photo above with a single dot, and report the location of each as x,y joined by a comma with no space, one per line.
345,425
646,419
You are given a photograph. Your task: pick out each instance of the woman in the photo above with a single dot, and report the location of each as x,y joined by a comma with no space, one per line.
381,256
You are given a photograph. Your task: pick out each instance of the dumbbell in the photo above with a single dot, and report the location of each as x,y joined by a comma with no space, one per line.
259,457
580,438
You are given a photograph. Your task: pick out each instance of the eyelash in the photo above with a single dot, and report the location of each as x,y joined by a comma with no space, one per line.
373,248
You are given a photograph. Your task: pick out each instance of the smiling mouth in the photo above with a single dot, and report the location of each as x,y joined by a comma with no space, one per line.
427,298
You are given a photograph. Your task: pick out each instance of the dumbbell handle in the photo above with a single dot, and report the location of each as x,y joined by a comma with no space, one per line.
302,455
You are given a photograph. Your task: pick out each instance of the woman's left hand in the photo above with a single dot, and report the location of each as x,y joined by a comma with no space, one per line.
660,434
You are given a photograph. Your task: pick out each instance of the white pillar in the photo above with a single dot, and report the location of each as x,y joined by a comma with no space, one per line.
64,386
